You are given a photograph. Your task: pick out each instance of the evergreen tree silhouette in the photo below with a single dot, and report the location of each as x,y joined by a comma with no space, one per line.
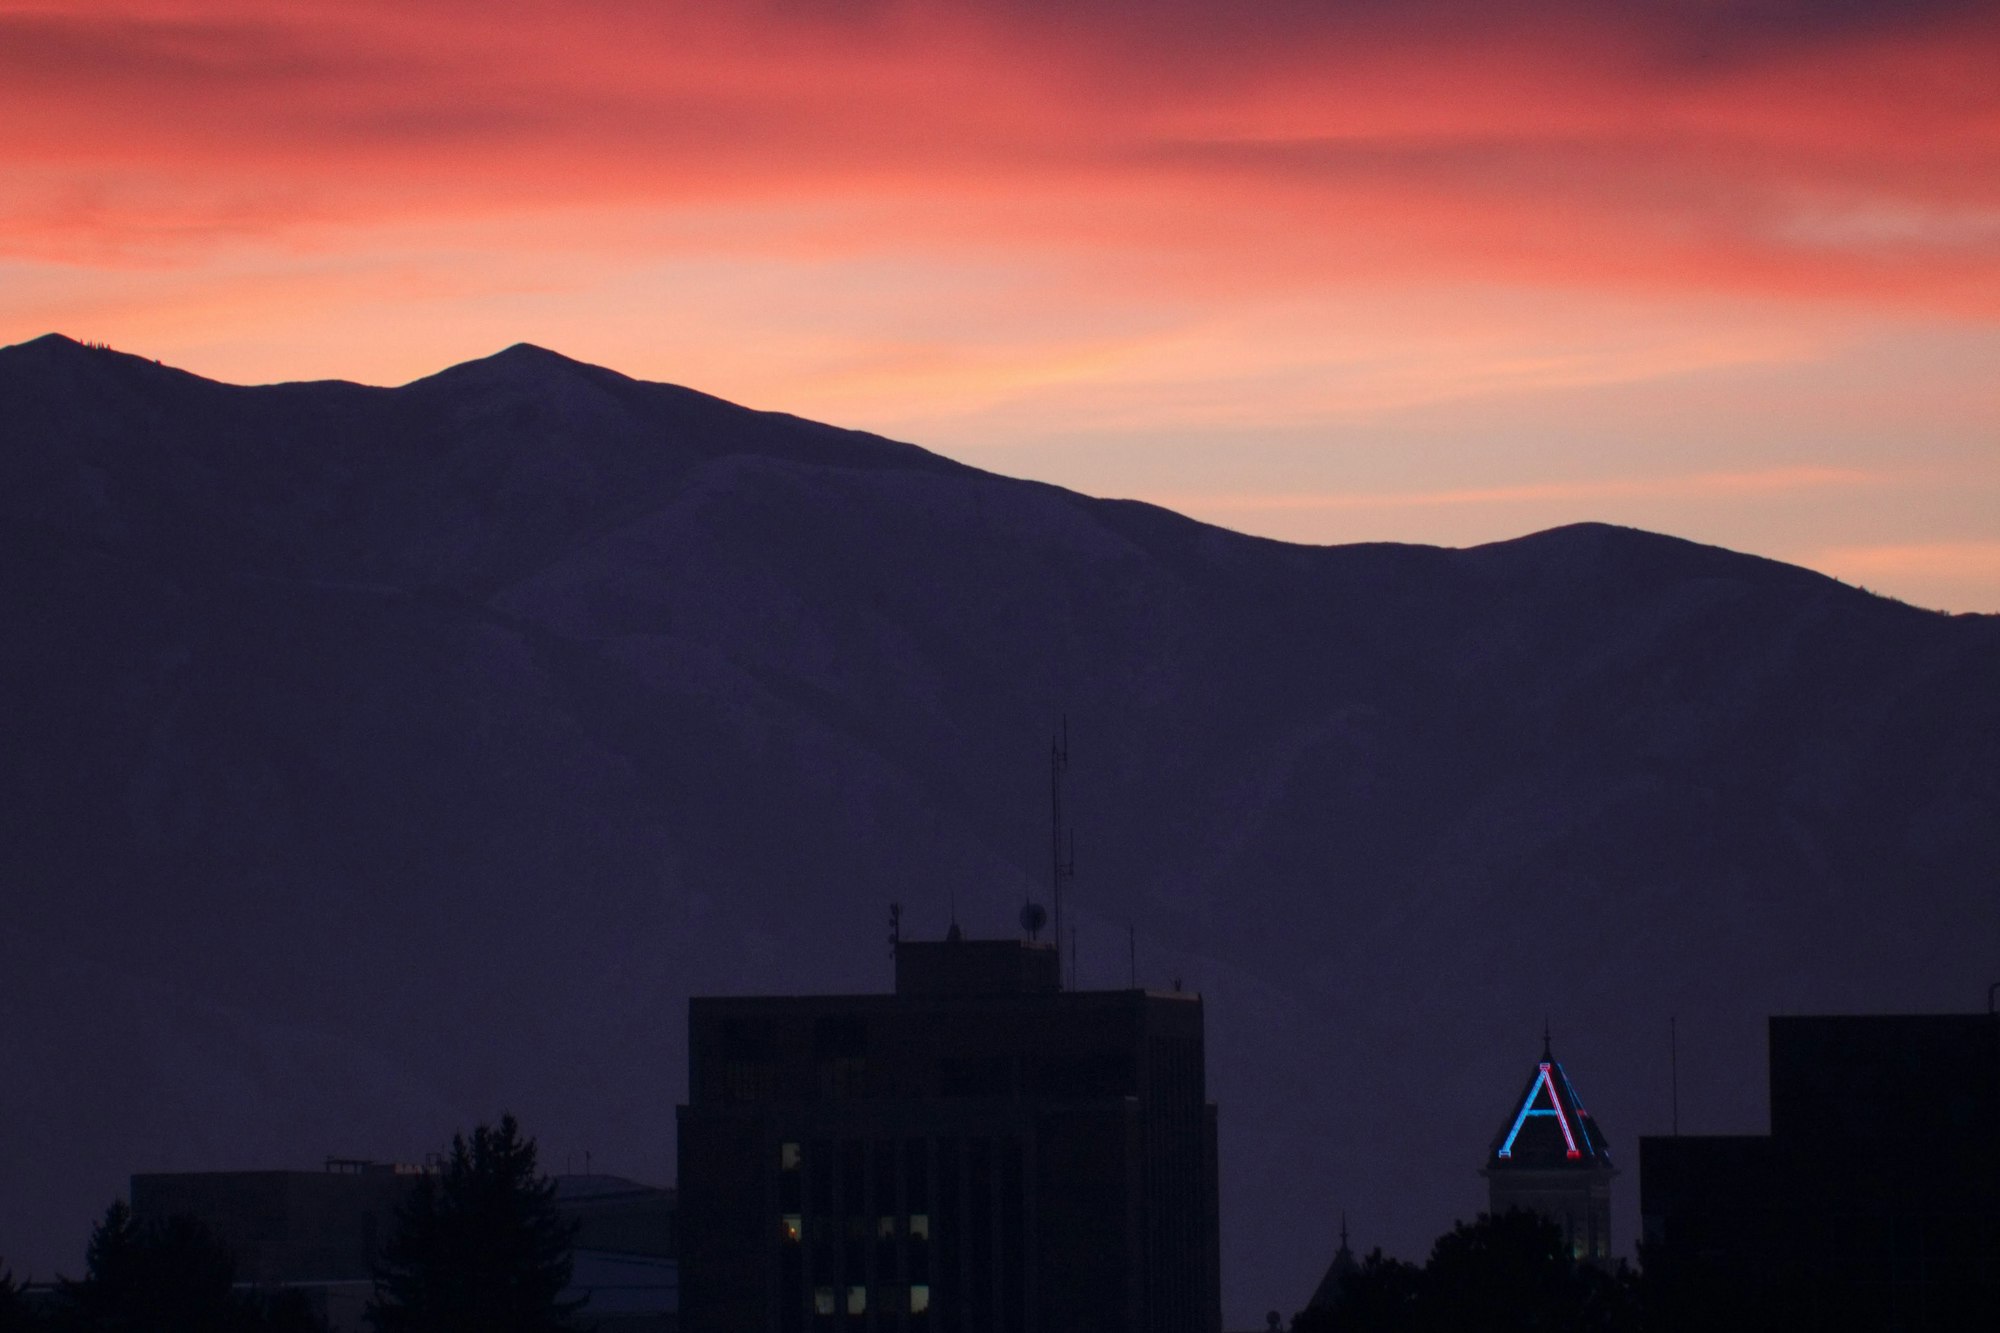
479,1247
15,1316
172,1276
1506,1271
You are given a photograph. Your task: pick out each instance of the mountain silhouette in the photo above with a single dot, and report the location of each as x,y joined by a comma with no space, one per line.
380,759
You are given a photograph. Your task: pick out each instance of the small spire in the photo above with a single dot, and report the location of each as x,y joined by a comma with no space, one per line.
1545,1038
1343,1228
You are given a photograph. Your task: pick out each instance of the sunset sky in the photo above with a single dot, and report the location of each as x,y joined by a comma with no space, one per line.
1417,270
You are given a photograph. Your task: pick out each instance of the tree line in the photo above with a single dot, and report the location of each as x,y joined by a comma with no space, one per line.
1501,1273
478,1247
1513,1272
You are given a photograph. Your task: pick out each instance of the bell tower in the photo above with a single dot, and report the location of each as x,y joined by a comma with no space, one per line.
1550,1158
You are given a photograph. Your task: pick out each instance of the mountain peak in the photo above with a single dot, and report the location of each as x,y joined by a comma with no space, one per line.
531,354
1614,552
521,364
59,352
58,344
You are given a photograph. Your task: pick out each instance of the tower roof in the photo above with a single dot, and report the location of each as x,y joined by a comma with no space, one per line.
1327,1295
1547,1126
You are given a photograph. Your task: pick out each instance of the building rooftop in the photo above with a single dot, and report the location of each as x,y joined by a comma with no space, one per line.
580,1186
958,966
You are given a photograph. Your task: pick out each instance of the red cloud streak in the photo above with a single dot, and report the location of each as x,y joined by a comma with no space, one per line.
1814,150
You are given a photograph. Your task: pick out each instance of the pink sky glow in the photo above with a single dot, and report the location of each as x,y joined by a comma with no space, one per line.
1426,271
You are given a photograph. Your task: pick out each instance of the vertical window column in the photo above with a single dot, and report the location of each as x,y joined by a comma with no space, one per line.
917,1205
948,1237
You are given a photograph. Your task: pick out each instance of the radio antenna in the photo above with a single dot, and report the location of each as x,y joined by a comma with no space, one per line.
1062,841
1674,1069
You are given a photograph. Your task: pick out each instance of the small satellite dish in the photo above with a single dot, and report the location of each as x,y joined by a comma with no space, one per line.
1033,917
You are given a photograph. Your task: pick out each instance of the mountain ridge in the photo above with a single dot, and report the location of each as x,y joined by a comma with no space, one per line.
381,758
524,360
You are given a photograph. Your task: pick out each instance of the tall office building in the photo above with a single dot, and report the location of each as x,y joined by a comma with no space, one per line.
1549,1157
981,1150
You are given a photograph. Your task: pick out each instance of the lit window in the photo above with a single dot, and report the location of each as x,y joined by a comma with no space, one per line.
788,1156
823,1300
857,1300
885,1228
790,1224
920,1226
920,1298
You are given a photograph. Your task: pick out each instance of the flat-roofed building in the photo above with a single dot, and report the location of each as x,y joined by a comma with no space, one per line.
322,1232
287,1226
1874,1202
980,1150
317,1231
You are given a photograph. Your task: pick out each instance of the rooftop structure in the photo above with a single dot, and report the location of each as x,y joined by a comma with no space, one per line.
1328,1294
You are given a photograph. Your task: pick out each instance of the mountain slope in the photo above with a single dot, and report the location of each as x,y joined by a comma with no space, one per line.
380,758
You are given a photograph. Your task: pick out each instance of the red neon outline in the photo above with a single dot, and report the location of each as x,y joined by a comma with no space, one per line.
1561,1119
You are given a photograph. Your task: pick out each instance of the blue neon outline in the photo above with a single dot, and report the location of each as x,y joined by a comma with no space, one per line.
1527,1104
1555,1103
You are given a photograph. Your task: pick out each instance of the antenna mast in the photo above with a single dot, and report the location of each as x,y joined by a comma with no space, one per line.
1062,841
1674,1068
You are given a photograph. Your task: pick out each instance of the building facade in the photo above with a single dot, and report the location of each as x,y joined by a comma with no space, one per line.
1874,1202
980,1150
1549,1157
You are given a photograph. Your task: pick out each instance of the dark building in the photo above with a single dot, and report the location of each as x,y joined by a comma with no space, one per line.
1549,1157
317,1230
623,1263
321,1232
981,1150
1873,1203
618,1216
